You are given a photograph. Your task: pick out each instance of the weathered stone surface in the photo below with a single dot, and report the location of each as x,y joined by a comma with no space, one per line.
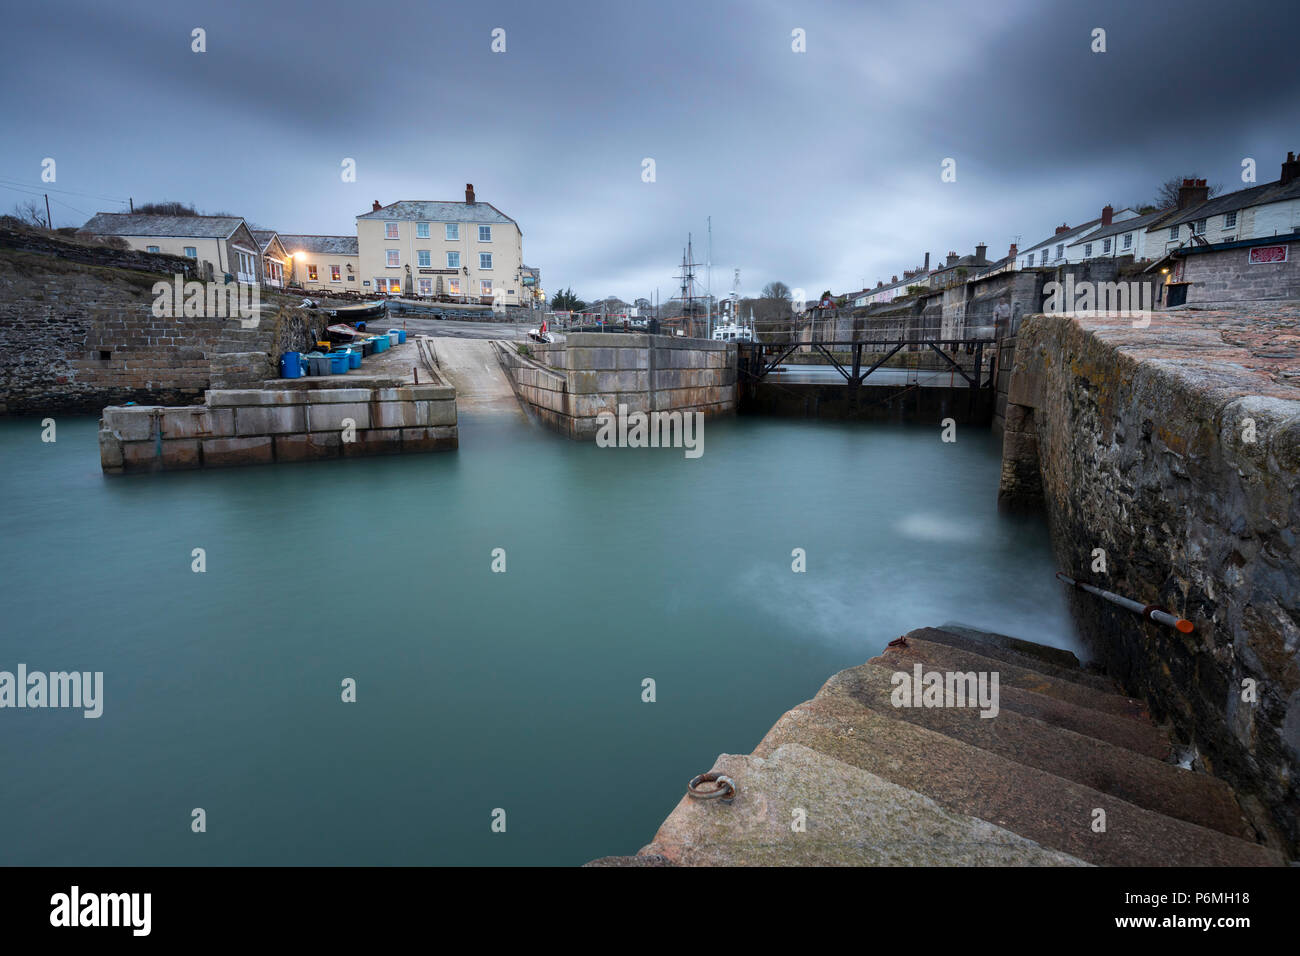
225,452
1133,777
1174,449
374,441
331,416
440,438
197,421
1050,810
854,818
181,453
134,423
308,447
270,420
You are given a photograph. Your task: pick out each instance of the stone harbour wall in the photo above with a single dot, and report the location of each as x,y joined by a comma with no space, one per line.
1175,450
76,336
569,384
261,426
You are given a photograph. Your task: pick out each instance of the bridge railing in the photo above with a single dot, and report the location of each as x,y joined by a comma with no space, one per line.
970,361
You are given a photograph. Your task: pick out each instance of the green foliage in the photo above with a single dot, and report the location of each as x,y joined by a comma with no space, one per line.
566,301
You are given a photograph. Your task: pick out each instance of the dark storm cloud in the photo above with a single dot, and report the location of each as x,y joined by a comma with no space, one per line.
820,169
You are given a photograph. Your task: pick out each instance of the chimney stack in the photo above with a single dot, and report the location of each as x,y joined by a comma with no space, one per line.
952,257
1192,192
469,193
1107,215
376,207
1063,227
879,283
1011,253
980,251
927,262
1290,169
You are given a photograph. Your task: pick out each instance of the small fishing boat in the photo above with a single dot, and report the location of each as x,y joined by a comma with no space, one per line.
351,313
342,332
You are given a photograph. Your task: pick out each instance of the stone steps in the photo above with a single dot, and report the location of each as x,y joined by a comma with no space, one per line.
853,818
1024,693
1012,651
886,785
1050,810
1134,777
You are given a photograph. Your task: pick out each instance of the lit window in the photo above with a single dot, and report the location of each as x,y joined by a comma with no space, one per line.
393,258
453,230
390,230
336,274
484,233
192,252
426,287
485,260
311,273
485,287
421,230
453,287
422,258
453,260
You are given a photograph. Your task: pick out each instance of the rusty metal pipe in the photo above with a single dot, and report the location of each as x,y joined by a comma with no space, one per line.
1149,611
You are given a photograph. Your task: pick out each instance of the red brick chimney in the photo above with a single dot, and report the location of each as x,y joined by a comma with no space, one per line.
1290,169
893,279
879,283
376,207
1011,253
469,193
1107,215
1192,192
1062,228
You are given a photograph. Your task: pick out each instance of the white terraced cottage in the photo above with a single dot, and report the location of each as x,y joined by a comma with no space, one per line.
223,245
467,251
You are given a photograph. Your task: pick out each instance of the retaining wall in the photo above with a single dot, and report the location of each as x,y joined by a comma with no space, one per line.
1174,451
569,384
261,426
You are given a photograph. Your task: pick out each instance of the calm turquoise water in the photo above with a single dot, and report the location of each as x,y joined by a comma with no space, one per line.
475,690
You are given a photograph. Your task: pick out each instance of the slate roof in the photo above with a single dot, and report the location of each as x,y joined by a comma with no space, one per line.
430,211
181,227
321,245
1147,221
1254,196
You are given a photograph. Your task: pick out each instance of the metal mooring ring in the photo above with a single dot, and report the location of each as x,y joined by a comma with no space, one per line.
723,788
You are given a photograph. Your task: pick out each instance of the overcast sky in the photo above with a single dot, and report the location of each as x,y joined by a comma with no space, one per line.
820,169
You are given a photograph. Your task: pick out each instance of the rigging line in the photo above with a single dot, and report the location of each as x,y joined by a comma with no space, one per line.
70,192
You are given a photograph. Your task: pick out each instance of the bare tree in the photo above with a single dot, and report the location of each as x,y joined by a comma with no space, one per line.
30,213
776,290
1167,193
